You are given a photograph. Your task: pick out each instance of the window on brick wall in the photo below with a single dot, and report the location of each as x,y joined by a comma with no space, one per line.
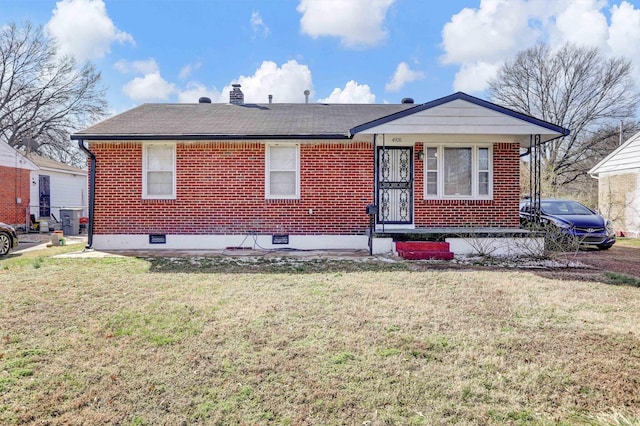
159,171
458,172
282,171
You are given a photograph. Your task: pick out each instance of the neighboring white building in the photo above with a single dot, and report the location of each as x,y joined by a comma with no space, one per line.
57,185
38,186
619,187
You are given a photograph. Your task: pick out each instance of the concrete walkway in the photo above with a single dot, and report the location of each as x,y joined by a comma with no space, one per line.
32,242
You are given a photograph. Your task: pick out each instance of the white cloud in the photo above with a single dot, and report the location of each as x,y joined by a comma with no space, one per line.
146,66
495,30
624,33
150,88
83,29
188,69
353,93
480,40
472,77
581,23
358,23
258,26
195,90
402,76
286,83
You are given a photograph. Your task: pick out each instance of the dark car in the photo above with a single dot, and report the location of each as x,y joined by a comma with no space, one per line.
573,222
8,238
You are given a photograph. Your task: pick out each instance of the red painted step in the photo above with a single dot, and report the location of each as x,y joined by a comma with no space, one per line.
424,250
422,245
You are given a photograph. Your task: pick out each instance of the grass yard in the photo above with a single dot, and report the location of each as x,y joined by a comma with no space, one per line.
204,341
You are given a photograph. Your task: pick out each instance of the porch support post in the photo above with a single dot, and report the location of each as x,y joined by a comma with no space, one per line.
535,173
372,217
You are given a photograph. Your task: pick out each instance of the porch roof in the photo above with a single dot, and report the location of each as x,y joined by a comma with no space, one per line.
465,118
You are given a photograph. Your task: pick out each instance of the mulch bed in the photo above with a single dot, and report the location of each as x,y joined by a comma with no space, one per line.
618,259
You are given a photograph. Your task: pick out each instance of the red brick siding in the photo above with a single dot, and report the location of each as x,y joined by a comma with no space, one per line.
502,211
220,190
14,184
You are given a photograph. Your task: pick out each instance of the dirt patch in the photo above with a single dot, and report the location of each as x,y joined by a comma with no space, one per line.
619,259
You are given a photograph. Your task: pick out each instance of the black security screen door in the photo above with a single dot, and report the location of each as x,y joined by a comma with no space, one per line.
395,185
45,196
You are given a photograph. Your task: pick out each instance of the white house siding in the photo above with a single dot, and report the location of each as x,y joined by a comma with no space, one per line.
67,190
625,158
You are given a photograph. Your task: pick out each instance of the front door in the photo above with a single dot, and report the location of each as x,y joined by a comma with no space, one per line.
45,196
395,185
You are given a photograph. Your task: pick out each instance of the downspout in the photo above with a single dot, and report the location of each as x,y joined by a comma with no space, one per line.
375,171
92,190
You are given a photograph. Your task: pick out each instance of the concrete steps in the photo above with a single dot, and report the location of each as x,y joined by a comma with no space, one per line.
424,250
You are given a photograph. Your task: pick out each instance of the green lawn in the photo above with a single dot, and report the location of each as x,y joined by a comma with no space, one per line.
628,242
214,341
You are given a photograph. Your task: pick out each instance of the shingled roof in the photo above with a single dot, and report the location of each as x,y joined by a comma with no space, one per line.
248,121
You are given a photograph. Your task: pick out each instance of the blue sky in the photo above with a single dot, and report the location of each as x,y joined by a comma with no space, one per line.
371,51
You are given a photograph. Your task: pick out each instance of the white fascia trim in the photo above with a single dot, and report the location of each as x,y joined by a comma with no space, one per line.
79,172
222,242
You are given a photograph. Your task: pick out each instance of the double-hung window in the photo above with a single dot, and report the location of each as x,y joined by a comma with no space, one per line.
457,172
159,171
282,171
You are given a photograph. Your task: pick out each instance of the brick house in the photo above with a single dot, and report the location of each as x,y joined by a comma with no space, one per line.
618,177
15,184
213,176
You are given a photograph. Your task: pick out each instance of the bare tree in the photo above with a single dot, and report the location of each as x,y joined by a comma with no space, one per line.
44,96
577,88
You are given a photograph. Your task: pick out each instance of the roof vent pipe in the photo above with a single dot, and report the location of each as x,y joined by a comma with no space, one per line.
236,97
204,100
306,96
407,101
270,98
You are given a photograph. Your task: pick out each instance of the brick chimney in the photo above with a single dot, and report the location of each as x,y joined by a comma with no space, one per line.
236,97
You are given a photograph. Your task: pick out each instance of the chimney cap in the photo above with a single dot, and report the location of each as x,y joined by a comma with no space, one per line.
204,100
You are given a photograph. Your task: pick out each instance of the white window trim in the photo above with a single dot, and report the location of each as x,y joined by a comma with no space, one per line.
474,173
146,196
267,172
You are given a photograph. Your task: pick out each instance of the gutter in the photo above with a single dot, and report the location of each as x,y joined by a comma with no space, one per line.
92,190
529,149
201,137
